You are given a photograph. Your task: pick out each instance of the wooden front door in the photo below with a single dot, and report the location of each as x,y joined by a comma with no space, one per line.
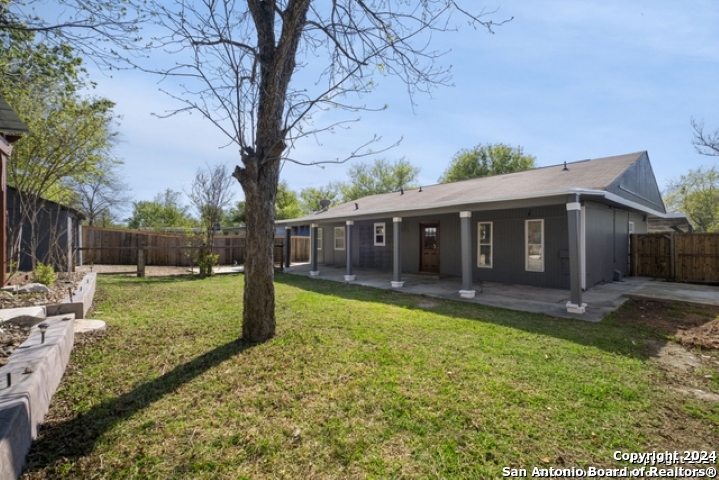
429,247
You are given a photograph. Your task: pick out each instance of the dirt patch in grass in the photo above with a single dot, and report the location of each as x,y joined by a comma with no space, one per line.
690,325
684,346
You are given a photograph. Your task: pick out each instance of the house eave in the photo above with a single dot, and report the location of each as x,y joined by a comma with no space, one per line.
498,202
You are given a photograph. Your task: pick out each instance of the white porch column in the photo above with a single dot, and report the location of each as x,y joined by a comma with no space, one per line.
314,271
349,275
465,219
397,253
574,305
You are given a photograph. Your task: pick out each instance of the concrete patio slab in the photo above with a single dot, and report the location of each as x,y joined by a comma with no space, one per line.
677,292
600,299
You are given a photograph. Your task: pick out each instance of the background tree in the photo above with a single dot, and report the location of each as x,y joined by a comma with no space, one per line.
485,160
697,195
235,215
706,143
100,195
163,212
70,136
287,204
378,177
311,197
210,194
238,68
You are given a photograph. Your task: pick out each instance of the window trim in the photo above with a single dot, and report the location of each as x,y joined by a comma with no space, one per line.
480,244
319,238
526,244
384,234
342,229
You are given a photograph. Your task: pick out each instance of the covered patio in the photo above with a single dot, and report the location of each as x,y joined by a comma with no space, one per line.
601,299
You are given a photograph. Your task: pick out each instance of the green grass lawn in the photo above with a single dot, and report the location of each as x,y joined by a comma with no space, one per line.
358,383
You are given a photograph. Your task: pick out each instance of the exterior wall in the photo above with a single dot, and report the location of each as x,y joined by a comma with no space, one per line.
607,241
508,262
52,221
508,246
449,243
639,185
330,256
369,255
606,234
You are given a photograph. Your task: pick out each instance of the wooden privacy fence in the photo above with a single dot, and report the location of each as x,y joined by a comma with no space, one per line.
120,247
682,257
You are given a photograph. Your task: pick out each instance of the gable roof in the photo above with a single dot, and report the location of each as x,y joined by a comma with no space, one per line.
588,176
10,123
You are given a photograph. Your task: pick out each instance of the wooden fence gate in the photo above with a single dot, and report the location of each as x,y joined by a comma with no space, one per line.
682,257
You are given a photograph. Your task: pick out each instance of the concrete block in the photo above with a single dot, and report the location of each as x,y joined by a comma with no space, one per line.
81,299
467,293
86,325
397,284
314,273
349,278
36,370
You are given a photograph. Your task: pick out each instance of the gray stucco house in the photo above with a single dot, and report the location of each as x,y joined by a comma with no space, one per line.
564,226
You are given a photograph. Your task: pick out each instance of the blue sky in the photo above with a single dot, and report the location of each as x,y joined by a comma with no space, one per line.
565,80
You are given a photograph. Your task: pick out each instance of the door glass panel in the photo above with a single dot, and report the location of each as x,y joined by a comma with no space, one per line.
430,238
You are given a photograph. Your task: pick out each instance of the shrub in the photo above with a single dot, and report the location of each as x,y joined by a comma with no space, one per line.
44,274
206,262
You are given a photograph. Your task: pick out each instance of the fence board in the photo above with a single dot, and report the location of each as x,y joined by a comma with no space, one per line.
683,257
119,247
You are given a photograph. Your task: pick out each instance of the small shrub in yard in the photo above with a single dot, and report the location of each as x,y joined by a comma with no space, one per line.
206,262
44,274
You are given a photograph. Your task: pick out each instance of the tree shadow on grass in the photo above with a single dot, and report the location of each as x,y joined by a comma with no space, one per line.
76,437
611,335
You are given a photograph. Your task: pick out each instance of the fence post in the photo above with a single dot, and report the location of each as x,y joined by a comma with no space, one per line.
140,256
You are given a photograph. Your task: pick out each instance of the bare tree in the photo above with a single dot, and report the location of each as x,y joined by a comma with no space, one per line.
239,64
100,195
94,29
706,143
210,195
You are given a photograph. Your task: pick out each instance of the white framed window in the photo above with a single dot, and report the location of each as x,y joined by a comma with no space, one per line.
379,235
319,238
534,245
339,238
485,231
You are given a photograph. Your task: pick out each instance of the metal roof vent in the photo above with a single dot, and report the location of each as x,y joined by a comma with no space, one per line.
356,206
565,169
325,204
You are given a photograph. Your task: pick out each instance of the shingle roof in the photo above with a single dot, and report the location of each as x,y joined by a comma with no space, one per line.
10,123
596,174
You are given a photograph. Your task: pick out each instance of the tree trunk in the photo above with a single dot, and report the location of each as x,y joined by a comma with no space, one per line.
258,322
